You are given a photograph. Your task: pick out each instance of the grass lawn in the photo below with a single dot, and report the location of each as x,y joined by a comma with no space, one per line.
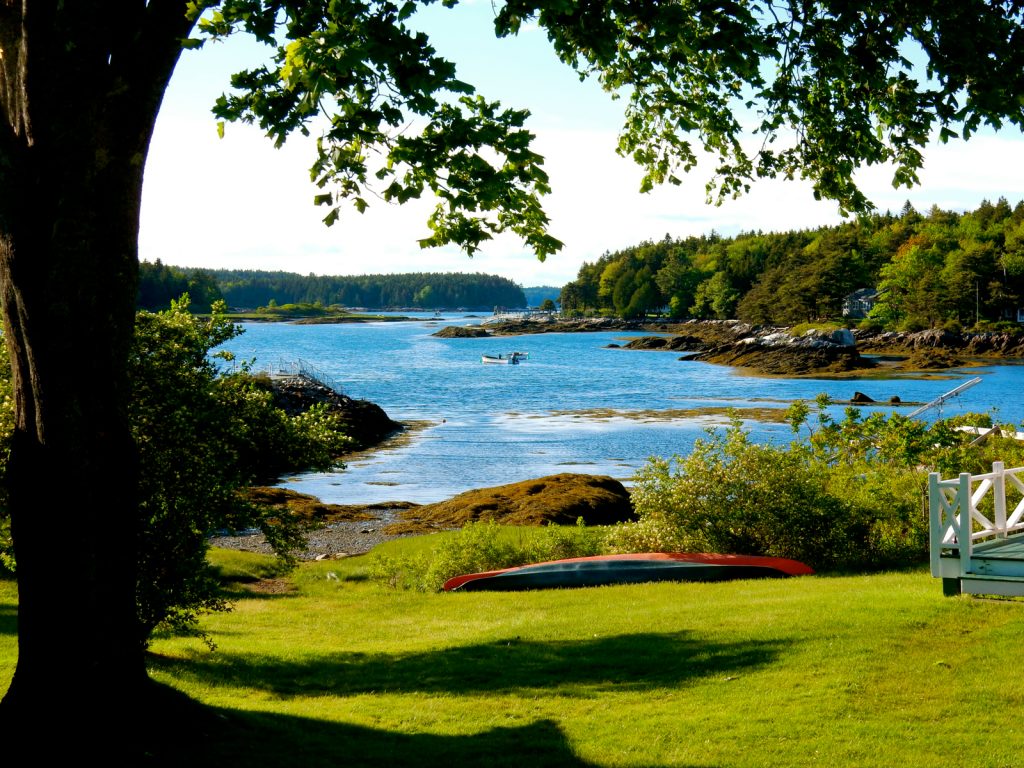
819,671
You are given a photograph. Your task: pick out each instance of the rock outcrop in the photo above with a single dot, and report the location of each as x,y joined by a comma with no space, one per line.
365,422
994,344
559,499
771,351
461,332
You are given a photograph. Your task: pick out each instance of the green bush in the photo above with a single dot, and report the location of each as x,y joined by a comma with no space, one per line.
733,496
913,325
201,438
850,495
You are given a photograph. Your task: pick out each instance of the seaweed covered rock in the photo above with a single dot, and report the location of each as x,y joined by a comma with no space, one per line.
461,332
788,359
303,506
932,359
987,344
559,499
680,343
549,324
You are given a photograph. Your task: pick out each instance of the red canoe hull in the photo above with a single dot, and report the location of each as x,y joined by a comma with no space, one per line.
627,569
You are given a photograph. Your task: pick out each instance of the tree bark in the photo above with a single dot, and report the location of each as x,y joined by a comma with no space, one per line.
80,87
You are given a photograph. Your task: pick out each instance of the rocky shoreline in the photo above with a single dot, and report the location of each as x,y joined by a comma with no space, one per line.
776,351
334,530
337,531
330,542
543,324
771,351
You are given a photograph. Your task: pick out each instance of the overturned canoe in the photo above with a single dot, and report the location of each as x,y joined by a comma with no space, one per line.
629,569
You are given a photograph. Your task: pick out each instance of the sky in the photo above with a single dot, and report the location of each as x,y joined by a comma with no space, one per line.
239,203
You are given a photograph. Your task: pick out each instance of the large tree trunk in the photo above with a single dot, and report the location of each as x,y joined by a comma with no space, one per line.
80,87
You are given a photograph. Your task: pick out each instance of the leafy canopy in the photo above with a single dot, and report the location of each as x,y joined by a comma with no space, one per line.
792,88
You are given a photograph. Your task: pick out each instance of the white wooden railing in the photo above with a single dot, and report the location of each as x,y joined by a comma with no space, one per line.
956,522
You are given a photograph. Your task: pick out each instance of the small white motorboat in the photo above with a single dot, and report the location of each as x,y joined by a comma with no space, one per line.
512,358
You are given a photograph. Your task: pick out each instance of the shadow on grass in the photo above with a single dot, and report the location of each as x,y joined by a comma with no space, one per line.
8,619
632,662
244,738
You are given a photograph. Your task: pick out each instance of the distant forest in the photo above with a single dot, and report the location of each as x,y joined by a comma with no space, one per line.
159,283
249,289
535,296
935,269
924,270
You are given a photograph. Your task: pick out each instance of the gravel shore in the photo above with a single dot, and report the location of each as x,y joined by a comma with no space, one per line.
333,540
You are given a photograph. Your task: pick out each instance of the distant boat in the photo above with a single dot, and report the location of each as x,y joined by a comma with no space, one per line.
629,569
512,358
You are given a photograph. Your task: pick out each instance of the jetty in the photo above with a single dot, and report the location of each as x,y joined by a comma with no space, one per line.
976,531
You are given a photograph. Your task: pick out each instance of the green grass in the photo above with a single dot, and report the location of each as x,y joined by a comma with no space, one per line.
8,628
822,671
826,325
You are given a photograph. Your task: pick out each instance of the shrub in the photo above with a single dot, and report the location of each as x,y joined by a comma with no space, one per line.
850,495
733,496
913,325
201,438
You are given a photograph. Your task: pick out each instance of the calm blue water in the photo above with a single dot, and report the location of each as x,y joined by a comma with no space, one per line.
494,424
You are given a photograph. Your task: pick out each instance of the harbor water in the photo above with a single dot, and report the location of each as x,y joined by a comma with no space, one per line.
576,404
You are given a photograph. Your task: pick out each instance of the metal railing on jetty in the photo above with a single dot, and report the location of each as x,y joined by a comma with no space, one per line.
521,314
304,369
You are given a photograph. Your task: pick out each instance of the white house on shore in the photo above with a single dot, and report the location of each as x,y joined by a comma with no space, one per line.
859,303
